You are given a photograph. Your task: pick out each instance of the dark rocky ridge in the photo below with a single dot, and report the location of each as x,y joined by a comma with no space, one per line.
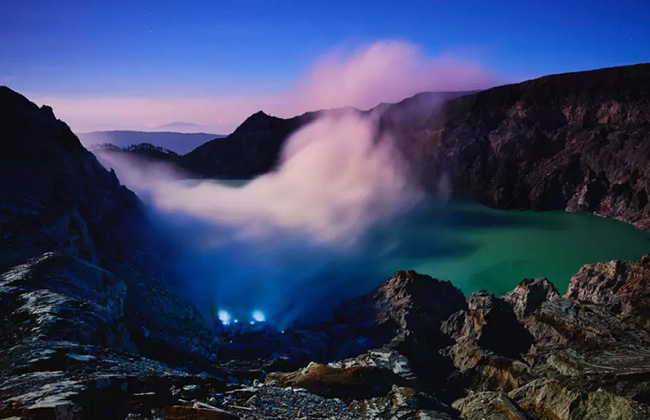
147,151
576,141
255,147
81,276
252,149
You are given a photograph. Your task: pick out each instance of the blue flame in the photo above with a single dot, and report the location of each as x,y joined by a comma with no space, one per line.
258,316
224,317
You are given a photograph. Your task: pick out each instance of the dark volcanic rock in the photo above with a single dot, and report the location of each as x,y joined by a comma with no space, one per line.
252,149
80,268
414,302
623,286
529,295
346,382
576,141
531,354
407,304
488,325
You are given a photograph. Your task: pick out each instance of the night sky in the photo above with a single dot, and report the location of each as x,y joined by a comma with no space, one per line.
213,62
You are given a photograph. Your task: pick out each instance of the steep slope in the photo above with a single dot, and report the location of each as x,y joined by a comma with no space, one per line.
80,268
252,149
577,141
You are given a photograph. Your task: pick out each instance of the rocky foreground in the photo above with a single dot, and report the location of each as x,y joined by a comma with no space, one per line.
415,348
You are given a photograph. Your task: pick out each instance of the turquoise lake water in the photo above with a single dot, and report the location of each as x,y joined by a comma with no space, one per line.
481,248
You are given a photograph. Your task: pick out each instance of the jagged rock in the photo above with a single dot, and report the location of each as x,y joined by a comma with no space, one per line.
547,398
407,307
415,302
488,406
622,286
490,324
78,261
573,141
529,295
402,403
55,296
490,343
347,382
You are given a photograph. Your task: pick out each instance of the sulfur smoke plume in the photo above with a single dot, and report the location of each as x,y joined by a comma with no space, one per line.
287,240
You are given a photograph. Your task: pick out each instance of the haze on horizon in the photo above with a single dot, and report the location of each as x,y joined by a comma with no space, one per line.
147,64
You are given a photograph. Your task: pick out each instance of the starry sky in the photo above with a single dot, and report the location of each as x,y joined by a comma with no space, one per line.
211,62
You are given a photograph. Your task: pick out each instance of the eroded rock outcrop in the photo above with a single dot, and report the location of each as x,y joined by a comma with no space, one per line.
531,354
575,141
83,292
624,287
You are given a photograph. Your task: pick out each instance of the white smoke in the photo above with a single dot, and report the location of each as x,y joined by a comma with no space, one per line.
334,180
260,245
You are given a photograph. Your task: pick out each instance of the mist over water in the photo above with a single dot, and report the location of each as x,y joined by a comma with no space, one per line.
337,217
290,242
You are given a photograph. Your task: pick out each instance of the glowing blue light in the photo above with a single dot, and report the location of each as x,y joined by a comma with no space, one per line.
236,321
224,317
258,316
252,322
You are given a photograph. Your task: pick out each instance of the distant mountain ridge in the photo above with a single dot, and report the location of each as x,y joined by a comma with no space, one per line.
176,141
178,125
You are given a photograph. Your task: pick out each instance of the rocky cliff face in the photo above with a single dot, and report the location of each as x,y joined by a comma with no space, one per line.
577,141
80,269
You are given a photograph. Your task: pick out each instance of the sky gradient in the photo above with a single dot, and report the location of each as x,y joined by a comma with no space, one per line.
138,65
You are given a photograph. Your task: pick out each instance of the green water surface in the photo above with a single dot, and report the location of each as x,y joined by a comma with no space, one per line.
481,248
